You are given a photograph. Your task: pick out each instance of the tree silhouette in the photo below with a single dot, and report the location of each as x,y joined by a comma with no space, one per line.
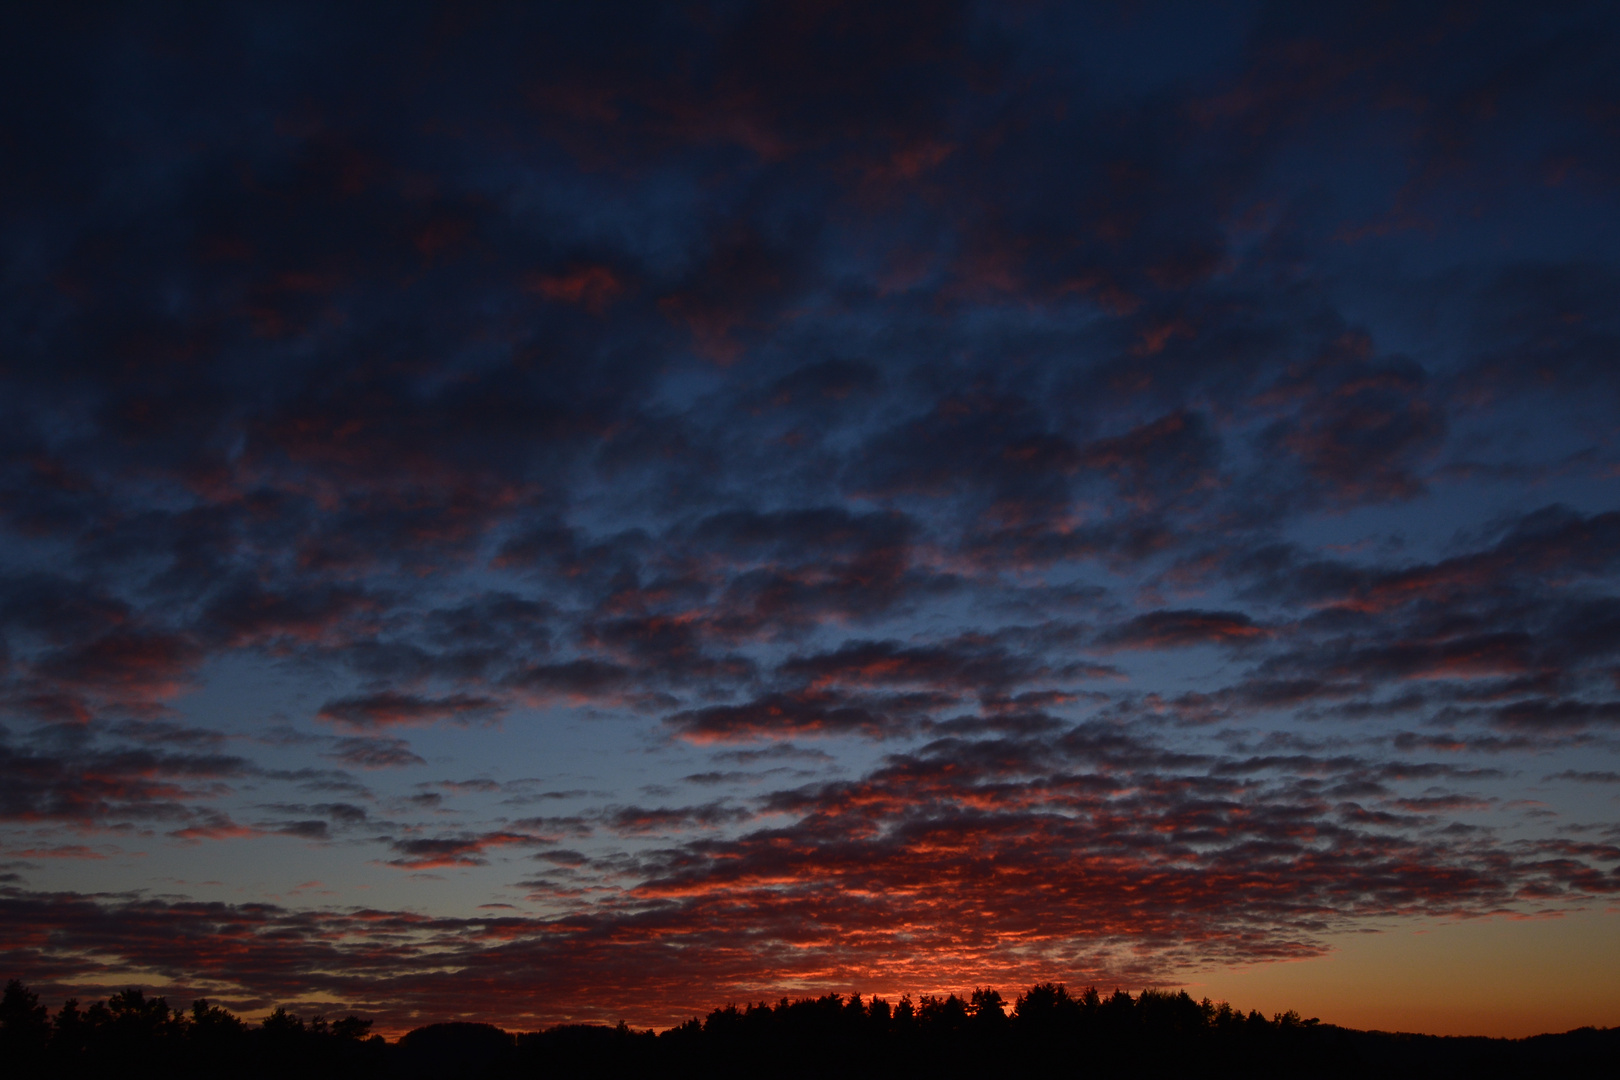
1048,1032
24,1024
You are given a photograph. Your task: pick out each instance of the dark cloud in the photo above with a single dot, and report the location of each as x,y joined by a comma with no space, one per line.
1177,629
964,665
426,853
311,829
1586,777
388,707
1365,436
806,712
367,752
92,785
639,819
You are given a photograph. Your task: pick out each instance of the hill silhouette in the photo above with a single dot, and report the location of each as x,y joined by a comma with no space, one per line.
1047,1032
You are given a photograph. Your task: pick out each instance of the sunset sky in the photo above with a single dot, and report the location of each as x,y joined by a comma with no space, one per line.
538,513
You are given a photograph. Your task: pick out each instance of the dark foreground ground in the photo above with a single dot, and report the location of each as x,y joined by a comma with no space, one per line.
1047,1033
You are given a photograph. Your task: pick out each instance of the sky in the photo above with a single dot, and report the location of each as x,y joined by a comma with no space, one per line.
540,513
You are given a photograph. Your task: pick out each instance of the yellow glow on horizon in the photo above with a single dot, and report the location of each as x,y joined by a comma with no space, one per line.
1498,976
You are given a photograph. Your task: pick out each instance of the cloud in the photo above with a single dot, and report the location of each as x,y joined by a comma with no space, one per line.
593,287
426,853
639,819
1178,629
374,753
964,665
1121,852
807,712
1362,437
583,679
781,751
1590,777
389,707
93,786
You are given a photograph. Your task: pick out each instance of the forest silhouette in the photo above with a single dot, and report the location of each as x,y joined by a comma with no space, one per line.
1047,1031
